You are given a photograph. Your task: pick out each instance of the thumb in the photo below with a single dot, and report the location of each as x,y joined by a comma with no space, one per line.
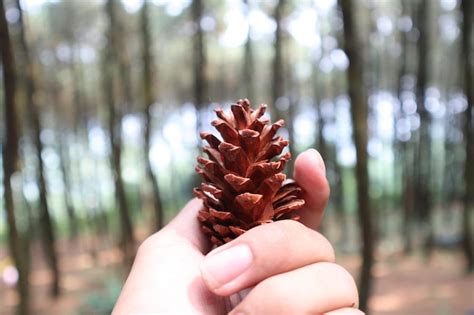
186,226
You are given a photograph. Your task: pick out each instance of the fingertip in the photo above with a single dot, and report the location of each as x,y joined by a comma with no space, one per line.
220,267
310,174
310,158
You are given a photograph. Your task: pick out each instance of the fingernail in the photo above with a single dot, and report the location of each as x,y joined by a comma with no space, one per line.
318,159
224,266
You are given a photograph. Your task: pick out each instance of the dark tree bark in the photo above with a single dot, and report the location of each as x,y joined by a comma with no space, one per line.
200,84
10,163
115,130
96,221
467,7
278,80
403,149
48,237
321,88
123,59
283,81
149,99
337,186
359,113
408,197
65,167
199,59
423,153
65,163
249,64
320,142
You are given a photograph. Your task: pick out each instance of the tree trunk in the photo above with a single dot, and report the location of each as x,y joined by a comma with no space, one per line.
10,163
47,227
149,99
200,87
249,65
115,132
65,167
278,80
403,149
123,59
322,145
467,7
294,99
199,61
359,112
65,163
423,154
96,221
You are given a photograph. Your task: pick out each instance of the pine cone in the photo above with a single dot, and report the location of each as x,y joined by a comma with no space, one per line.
243,187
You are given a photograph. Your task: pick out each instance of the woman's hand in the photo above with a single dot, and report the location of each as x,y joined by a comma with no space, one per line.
279,268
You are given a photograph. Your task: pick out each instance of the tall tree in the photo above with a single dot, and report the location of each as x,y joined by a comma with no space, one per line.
423,153
283,81
46,224
64,160
65,167
467,7
403,149
249,65
199,59
10,162
359,112
278,79
149,100
122,57
322,89
115,127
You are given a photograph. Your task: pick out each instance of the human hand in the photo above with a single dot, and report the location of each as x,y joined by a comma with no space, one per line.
288,267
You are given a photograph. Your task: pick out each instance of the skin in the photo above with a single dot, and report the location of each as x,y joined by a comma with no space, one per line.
284,267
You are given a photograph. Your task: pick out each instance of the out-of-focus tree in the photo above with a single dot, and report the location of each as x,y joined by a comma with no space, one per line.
284,89
71,90
423,178
199,59
149,98
467,7
47,229
359,114
278,75
320,142
65,162
111,84
10,163
405,148
249,65
325,90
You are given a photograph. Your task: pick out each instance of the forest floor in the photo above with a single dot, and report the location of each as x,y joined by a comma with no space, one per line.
402,285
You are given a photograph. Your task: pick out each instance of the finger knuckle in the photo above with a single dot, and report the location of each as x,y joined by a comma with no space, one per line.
146,245
154,241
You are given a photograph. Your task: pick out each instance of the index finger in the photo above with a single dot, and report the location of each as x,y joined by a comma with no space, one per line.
310,174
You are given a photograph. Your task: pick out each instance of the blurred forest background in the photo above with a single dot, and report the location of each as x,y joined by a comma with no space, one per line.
102,101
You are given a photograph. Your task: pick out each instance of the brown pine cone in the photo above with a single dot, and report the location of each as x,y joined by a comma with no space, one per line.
243,181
